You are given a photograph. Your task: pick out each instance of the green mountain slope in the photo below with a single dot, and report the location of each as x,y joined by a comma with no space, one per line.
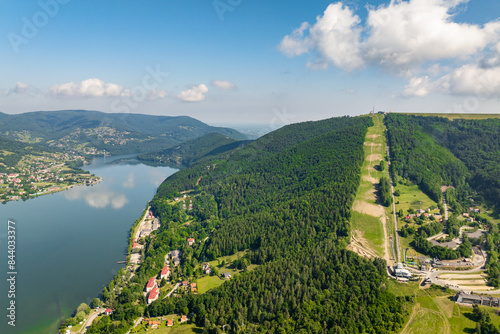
286,200
474,143
415,155
115,133
192,151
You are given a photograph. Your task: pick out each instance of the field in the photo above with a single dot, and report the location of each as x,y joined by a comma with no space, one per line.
209,282
412,197
457,116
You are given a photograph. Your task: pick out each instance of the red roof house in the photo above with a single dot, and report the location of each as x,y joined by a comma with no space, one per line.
164,272
153,295
151,284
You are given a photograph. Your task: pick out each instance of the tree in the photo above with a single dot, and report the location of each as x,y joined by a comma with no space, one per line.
96,302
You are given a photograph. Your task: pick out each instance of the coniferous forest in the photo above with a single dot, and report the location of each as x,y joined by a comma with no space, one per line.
285,199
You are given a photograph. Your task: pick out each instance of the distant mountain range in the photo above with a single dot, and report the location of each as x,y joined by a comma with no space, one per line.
92,132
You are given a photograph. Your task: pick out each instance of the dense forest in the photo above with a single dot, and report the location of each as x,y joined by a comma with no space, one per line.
415,155
192,151
474,146
286,200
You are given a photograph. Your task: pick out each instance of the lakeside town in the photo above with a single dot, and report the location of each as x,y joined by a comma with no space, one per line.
36,175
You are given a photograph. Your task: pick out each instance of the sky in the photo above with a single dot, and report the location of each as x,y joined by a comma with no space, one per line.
243,62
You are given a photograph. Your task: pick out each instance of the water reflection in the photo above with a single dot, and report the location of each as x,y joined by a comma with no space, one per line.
98,198
157,176
129,181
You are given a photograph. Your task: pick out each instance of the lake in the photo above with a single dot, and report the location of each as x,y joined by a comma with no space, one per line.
68,243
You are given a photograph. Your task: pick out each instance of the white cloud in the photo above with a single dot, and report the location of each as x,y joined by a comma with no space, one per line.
20,88
156,94
195,94
467,80
295,44
223,84
335,38
89,88
411,33
400,35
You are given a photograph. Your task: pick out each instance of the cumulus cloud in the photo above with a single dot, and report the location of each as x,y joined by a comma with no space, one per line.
21,88
194,94
89,88
335,38
398,35
156,94
470,79
402,37
223,84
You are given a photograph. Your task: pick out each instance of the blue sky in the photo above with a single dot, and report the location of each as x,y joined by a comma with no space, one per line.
241,61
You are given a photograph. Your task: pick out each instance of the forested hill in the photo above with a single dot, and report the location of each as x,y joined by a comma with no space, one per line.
115,133
474,144
192,151
285,199
415,155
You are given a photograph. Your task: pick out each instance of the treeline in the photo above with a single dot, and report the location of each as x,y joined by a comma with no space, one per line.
415,155
422,245
384,190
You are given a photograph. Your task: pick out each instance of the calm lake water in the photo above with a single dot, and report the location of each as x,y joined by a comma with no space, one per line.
68,243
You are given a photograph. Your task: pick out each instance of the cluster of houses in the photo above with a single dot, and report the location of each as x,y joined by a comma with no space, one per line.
34,170
206,268
468,217
420,213
169,322
151,223
175,257
192,286
152,290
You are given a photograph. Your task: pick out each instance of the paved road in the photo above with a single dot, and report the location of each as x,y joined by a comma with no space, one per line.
90,319
172,291
395,219
137,322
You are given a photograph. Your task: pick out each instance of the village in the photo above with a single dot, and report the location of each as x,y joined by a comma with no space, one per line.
39,175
